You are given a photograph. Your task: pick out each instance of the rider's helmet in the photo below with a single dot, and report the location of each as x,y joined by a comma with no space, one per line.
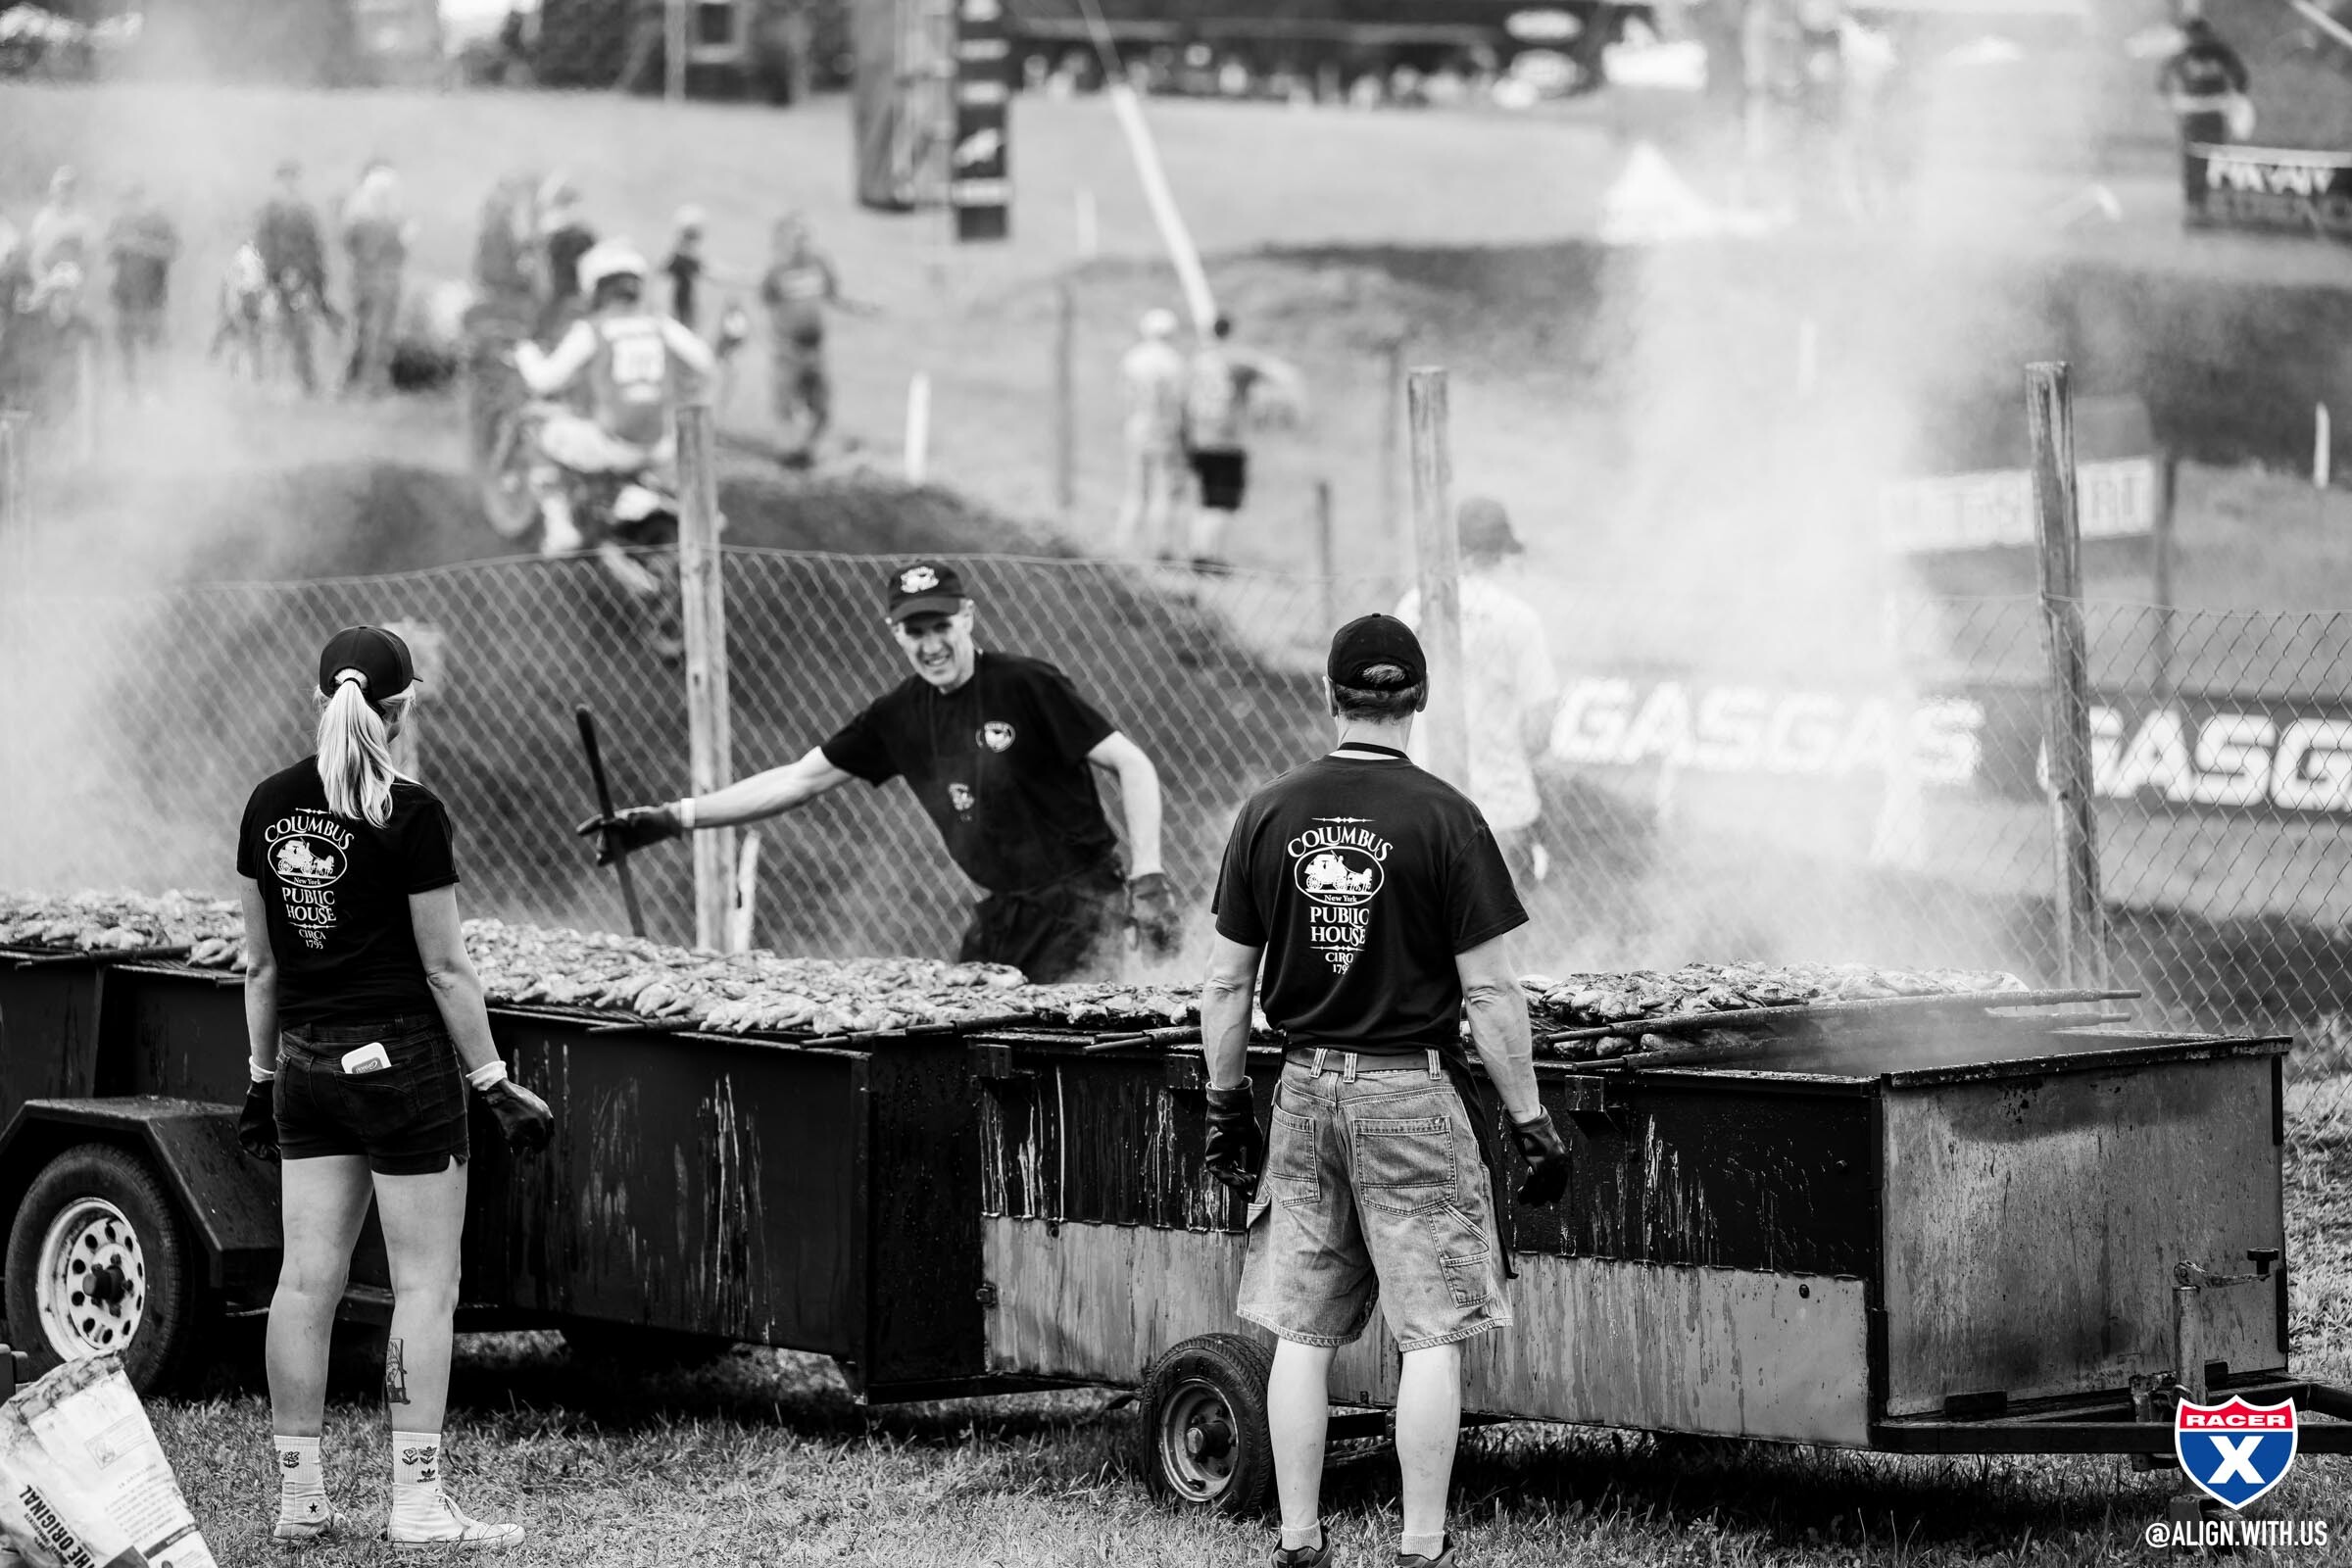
611,270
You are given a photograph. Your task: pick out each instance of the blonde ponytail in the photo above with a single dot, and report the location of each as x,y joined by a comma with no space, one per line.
354,750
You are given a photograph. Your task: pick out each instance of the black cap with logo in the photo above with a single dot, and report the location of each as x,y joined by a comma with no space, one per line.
1371,640
925,587
381,658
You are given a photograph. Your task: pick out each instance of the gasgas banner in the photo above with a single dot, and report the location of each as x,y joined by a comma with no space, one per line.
2202,753
2272,187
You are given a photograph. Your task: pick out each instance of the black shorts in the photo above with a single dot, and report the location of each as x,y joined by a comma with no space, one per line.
1067,930
408,1119
1224,476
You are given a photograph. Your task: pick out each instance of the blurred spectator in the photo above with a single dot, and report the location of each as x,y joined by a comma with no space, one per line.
142,244
685,266
243,302
15,270
564,232
1151,378
62,233
1510,690
799,284
2205,84
1220,381
376,236
294,253
506,249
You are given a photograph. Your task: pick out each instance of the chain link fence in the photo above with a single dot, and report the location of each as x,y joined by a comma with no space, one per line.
1899,819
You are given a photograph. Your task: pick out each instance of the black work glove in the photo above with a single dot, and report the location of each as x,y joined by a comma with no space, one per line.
522,1115
1237,1150
1152,915
256,1123
627,832
1546,1159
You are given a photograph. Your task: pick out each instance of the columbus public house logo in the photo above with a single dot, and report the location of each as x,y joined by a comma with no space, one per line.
1338,866
310,851
2236,1452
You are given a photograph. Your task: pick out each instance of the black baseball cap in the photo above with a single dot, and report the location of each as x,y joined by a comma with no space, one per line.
1370,639
375,653
925,587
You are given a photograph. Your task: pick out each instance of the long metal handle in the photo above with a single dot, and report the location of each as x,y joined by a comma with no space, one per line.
604,807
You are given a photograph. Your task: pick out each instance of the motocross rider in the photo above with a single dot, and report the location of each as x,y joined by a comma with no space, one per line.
634,364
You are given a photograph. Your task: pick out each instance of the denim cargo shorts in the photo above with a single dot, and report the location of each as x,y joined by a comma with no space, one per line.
1373,1192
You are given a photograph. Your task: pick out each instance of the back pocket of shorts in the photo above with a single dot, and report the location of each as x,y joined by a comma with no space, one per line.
1293,1166
1405,1164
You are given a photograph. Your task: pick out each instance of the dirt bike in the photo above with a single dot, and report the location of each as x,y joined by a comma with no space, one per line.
627,520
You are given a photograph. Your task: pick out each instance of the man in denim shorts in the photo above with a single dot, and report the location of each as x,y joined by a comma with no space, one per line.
1377,901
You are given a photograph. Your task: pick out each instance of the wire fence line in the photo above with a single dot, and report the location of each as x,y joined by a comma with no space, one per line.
1894,815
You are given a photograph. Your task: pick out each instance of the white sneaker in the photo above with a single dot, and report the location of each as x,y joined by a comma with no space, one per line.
302,1519
441,1523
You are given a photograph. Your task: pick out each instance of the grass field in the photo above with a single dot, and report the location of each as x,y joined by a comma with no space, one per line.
763,1459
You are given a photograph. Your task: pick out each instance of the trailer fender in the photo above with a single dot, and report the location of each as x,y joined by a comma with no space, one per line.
228,1198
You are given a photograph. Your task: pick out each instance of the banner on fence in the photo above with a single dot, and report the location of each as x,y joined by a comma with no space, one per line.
2117,499
2271,187
2192,753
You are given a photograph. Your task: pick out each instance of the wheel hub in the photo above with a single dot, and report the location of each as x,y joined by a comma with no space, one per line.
1195,1438
90,1288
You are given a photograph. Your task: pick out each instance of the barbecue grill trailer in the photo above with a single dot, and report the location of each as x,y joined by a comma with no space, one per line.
701,1189
2032,1241
1803,1241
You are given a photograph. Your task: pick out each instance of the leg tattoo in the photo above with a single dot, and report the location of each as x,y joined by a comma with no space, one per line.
396,1376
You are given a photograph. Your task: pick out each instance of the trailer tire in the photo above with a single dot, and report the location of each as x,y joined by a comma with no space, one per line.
1202,1442
99,1216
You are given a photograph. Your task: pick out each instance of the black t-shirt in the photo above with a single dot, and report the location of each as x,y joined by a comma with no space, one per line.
1362,878
1000,764
336,893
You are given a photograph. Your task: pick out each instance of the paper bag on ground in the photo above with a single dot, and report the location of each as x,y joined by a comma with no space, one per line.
45,1516
88,1418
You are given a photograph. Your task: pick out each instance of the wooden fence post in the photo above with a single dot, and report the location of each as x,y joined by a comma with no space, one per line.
918,427
1445,743
743,918
16,505
2168,487
1327,558
675,29
1392,459
2081,917
428,653
710,762
1065,396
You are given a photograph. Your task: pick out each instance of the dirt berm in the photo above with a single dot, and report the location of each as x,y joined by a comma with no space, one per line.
523,641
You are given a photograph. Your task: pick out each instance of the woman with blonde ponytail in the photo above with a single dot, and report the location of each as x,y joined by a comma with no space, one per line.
368,1029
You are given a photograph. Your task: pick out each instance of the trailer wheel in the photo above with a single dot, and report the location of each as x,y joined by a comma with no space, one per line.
98,1261
1203,1439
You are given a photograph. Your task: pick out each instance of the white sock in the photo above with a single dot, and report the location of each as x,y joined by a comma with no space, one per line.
1301,1539
416,1470
1421,1546
298,1472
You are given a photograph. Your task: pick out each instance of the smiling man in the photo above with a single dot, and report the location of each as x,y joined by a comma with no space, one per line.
998,749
